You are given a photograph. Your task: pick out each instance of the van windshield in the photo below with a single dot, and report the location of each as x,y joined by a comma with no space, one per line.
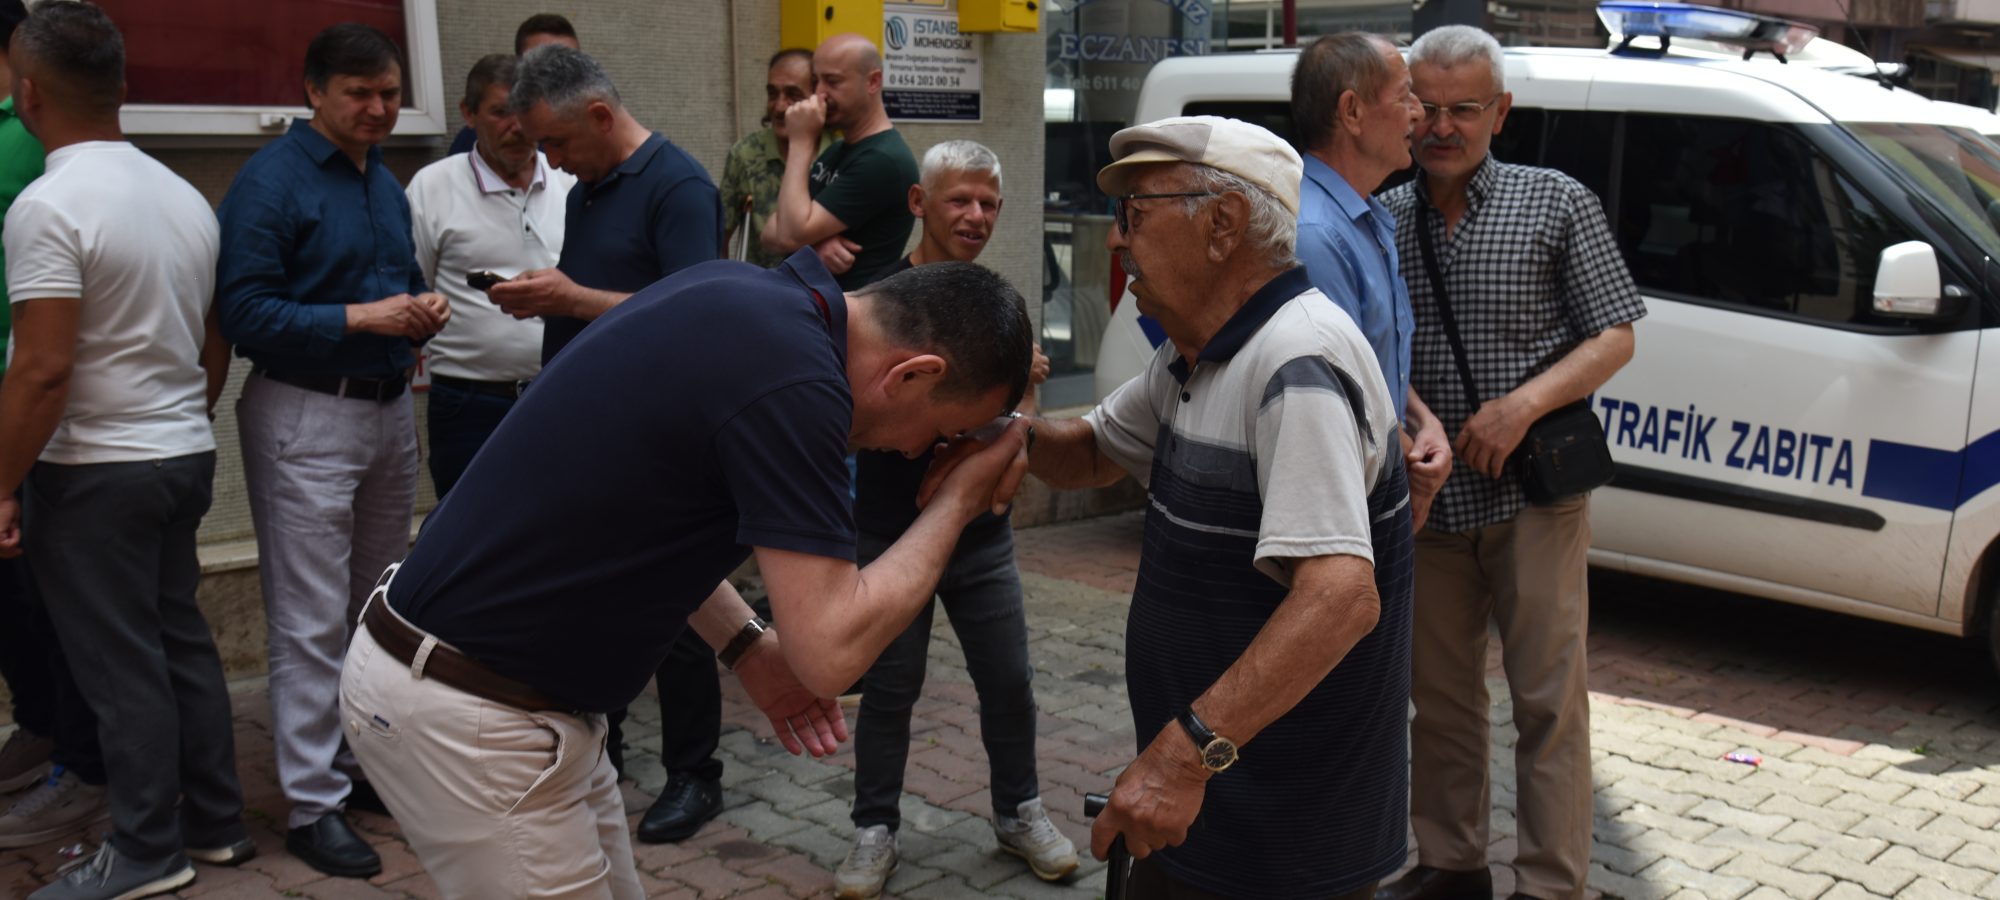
1957,168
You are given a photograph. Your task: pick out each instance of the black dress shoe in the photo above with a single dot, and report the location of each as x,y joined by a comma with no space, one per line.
331,847
1426,883
361,797
681,809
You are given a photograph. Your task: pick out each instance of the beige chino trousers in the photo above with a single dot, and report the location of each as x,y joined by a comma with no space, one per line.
497,802
1528,576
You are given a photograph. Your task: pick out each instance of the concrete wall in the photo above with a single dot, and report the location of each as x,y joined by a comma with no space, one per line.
693,70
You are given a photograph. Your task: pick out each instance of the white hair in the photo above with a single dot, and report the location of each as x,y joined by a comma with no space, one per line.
1272,228
958,156
1450,46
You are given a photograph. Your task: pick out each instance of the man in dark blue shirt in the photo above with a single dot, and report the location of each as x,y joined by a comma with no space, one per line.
318,286
643,209
705,417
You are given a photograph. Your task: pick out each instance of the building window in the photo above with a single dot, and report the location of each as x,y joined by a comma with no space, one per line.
235,67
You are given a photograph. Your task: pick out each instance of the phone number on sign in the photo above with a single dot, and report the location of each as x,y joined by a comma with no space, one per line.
908,80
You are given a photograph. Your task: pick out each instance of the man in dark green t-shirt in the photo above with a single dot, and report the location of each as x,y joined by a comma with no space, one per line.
851,202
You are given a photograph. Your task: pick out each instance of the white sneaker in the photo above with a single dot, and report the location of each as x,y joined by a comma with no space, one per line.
62,803
1034,838
867,868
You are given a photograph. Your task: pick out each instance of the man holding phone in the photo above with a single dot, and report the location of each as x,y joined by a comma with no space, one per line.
479,217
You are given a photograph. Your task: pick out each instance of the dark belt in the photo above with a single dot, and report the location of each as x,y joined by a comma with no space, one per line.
380,390
449,666
511,390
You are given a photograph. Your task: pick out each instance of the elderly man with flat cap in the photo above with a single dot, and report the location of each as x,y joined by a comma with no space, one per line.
1268,644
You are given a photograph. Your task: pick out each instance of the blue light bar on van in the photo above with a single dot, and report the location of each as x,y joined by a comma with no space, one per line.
1750,31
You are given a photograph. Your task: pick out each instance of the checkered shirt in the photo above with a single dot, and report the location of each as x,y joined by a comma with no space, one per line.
1531,271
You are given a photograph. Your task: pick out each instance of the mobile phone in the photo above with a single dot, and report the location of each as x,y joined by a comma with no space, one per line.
482,280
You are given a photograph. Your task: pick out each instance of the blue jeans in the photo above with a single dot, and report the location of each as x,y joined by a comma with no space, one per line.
981,591
460,421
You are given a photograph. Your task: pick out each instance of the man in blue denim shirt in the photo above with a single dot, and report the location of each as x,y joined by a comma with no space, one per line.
318,286
1353,109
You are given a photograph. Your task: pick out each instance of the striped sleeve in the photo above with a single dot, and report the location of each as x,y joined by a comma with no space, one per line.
1315,443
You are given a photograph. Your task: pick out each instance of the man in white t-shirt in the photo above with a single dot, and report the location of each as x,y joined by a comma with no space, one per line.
104,423
498,209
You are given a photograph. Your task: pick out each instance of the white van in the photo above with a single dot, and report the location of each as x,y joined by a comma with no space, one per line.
1813,413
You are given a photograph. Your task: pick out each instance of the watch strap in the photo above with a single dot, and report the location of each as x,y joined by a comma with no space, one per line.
1196,729
751,631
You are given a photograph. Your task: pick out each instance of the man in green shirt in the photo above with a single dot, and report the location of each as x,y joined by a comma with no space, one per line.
850,203
20,163
756,165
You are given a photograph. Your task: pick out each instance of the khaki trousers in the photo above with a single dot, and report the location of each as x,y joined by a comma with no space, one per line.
1528,575
496,802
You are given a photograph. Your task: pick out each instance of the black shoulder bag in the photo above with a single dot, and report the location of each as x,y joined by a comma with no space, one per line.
1564,454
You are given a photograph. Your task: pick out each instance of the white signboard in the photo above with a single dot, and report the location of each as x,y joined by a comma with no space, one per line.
930,72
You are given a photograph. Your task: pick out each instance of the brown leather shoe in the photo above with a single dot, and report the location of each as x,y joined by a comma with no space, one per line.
1426,883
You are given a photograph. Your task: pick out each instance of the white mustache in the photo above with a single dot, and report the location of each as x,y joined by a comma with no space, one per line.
1131,266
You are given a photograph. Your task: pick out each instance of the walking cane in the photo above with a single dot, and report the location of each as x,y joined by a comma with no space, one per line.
1120,864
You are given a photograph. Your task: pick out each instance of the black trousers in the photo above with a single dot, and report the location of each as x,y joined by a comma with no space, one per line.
1150,882
690,712
46,700
113,548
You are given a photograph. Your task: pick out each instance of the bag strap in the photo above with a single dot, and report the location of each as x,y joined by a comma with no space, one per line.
1444,303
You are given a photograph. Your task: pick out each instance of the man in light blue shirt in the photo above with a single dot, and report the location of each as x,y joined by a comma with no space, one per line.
1354,111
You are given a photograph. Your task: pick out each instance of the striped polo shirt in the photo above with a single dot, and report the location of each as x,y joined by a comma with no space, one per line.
1278,444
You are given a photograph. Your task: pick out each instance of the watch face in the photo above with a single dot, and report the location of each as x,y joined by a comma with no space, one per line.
1218,755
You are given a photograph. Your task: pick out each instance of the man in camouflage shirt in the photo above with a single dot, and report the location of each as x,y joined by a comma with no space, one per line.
756,164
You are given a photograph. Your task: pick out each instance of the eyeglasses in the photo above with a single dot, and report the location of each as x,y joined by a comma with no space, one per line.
1463,113
1124,218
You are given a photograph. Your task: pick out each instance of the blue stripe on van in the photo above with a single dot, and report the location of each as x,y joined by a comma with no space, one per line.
1929,477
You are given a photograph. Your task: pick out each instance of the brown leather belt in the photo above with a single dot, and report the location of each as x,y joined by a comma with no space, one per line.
449,666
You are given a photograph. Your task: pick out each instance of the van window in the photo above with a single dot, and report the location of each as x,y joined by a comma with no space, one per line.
1746,213
1273,115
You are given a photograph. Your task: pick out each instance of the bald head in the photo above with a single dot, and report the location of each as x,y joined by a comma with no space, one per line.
849,71
848,51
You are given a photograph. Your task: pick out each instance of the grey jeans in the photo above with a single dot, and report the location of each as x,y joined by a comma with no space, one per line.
113,550
332,483
981,591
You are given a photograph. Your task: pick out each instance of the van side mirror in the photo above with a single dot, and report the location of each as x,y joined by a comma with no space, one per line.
1907,284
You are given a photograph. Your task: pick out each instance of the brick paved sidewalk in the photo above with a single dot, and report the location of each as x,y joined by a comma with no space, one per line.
1881,771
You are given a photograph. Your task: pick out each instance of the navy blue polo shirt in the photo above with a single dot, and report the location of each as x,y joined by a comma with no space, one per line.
707,414
655,214
304,234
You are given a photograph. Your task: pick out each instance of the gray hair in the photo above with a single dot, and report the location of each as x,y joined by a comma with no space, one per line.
1272,229
1453,45
567,80
958,156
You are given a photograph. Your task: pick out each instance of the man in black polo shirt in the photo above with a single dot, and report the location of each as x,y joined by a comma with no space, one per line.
706,416
850,203
644,209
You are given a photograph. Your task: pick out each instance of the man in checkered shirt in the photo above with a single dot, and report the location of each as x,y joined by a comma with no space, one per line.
1544,305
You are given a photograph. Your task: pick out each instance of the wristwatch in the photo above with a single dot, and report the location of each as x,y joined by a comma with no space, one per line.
1217,752
752,630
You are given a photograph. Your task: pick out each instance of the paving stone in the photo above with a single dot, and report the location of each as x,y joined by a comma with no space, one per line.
1710,884
1760,824
1666,823
1877,879
1919,798
1933,844
1848,890
1621,859
1704,857
1822,817
1791,882
1959,878
1926,889
1626,886
1765,848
